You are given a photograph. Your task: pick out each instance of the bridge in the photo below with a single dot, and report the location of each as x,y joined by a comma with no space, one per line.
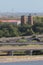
11,49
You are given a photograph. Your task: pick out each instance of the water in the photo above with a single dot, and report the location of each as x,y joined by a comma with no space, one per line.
24,63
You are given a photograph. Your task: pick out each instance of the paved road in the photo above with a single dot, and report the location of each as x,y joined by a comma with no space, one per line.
17,43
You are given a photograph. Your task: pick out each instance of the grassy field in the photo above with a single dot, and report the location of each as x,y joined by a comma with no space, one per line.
6,59
21,47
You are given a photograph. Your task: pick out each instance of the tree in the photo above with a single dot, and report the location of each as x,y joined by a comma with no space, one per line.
6,33
1,33
38,27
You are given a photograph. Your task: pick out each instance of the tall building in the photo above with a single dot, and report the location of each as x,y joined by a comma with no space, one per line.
30,20
24,19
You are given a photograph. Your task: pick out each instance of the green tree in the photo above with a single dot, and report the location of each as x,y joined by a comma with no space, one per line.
38,27
1,33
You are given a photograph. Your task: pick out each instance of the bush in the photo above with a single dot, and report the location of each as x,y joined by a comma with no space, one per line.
22,40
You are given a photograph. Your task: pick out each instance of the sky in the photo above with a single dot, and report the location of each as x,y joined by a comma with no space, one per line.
33,6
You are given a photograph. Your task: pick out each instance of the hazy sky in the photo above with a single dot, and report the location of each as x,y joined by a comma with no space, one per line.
21,5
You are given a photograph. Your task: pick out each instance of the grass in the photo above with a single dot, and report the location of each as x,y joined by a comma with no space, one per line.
22,40
21,47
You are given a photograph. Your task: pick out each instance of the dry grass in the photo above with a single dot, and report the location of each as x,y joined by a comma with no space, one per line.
8,47
5,59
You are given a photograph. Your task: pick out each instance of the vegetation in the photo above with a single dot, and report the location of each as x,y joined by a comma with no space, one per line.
12,30
38,28
22,40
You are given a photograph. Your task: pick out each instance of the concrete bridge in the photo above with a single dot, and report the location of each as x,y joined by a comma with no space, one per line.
30,48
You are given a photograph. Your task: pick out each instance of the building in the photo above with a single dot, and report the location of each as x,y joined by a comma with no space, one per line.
23,19
27,19
30,19
11,21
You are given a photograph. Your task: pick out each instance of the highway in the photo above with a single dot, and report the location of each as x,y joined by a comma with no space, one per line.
22,43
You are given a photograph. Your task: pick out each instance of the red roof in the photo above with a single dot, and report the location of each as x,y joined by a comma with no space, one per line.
9,20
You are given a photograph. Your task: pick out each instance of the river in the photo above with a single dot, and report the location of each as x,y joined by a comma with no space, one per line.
24,63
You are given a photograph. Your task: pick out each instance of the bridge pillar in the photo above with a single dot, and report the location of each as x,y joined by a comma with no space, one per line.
12,53
31,52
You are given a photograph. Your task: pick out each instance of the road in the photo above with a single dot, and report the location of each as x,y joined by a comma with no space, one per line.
17,43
